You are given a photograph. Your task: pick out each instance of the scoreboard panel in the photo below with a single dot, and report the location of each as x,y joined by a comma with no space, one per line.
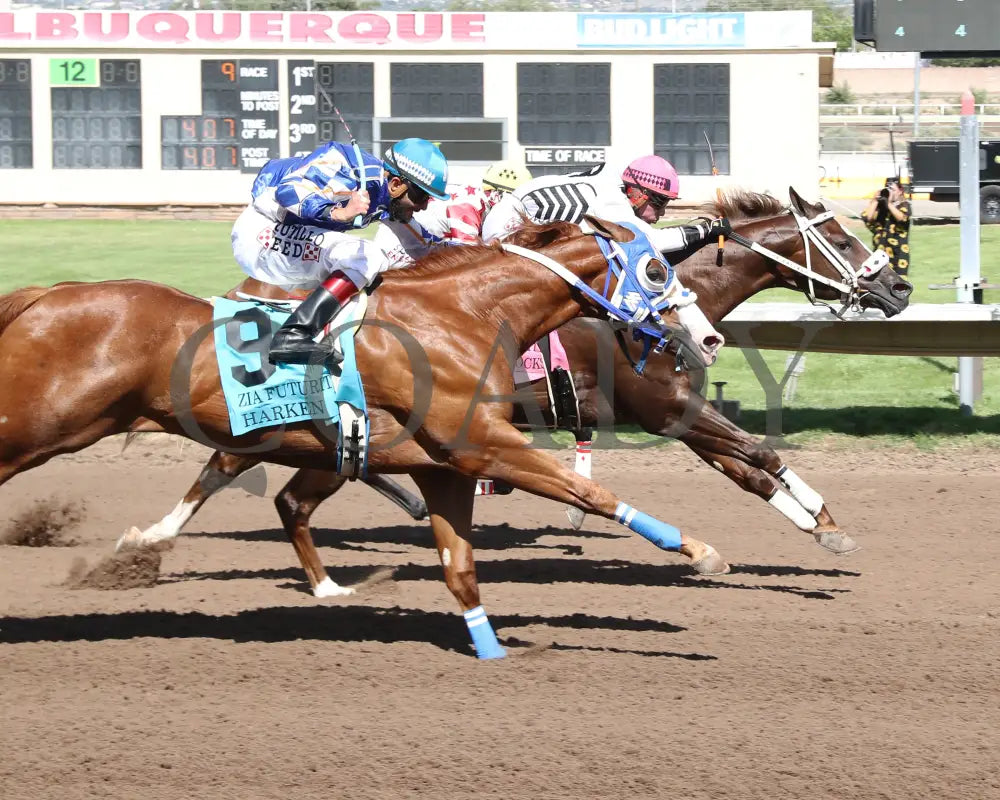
301,107
943,26
238,126
15,113
96,113
461,140
205,142
350,87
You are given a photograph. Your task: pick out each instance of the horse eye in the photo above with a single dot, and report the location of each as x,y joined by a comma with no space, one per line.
656,273
844,245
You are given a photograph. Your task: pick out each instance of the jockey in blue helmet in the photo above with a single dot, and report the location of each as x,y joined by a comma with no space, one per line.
295,232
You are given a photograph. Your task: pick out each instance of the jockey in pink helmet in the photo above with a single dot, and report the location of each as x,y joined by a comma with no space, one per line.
639,194
650,183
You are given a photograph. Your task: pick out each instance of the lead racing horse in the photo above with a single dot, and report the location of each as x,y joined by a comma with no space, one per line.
799,247
86,360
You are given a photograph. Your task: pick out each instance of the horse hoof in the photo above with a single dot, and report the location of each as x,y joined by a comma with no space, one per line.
130,539
327,588
711,563
837,542
576,517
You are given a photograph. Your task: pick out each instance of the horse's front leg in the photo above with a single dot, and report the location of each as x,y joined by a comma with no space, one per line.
505,454
221,470
449,498
757,468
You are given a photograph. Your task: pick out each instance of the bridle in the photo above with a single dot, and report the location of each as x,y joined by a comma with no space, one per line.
848,286
635,304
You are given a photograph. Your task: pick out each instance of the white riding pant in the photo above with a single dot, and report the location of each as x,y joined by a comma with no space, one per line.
504,218
301,256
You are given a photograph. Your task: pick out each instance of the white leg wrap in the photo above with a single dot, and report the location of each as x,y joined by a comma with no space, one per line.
809,498
583,459
791,509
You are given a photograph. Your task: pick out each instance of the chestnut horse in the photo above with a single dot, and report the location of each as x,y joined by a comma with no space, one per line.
661,400
86,360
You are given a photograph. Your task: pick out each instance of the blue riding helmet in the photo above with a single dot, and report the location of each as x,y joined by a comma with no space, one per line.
421,163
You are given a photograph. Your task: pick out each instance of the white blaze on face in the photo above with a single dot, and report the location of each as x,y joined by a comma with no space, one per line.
446,558
702,332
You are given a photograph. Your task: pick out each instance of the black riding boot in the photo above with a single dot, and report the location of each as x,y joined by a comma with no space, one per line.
294,342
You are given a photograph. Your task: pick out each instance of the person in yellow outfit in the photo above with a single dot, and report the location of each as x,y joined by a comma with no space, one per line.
888,218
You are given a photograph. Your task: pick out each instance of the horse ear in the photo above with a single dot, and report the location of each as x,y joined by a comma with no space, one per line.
605,229
800,205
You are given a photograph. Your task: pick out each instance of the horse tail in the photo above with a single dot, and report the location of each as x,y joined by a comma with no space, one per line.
15,303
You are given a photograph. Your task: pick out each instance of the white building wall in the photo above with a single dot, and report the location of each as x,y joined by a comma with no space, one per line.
773,110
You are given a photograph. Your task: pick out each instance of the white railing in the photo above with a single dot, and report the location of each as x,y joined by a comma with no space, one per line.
902,109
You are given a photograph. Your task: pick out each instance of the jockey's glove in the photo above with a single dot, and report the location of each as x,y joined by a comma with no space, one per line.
706,230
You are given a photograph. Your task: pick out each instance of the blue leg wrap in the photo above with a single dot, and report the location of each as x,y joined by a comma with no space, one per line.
664,536
483,637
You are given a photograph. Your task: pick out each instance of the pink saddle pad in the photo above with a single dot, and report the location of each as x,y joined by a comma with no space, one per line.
530,366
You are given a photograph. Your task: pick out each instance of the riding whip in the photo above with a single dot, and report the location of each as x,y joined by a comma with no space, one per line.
362,170
718,195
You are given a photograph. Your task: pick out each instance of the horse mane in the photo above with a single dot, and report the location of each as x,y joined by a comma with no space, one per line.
531,235
742,204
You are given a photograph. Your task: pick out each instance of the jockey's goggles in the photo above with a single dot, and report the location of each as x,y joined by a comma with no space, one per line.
655,199
417,195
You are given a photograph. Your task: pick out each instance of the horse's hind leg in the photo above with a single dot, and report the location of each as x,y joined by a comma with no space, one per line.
757,468
296,503
221,470
450,499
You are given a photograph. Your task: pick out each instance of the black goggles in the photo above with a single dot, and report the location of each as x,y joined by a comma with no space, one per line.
656,200
416,194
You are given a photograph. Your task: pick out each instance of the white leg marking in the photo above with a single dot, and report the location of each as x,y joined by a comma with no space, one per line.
328,588
790,508
166,528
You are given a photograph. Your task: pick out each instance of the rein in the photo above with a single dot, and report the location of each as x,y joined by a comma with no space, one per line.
655,337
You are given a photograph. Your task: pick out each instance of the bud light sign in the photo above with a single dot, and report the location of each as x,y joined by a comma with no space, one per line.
661,30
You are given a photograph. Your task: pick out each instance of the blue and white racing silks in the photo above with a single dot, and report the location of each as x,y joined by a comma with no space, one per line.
306,189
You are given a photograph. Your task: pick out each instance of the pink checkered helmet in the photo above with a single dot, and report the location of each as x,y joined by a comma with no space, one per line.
653,173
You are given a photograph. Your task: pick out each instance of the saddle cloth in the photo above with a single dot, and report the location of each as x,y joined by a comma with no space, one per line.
531,365
260,394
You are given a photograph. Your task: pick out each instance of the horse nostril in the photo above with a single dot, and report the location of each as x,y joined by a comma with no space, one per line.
902,289
712,343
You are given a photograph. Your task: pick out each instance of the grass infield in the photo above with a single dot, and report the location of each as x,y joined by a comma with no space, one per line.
881,399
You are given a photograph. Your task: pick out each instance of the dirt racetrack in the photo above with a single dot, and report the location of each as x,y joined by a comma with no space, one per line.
801,674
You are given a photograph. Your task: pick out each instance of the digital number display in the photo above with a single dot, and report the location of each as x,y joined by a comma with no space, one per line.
15,113
301,107
348,86
200,142
564,104
938,26
238,128
96,113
